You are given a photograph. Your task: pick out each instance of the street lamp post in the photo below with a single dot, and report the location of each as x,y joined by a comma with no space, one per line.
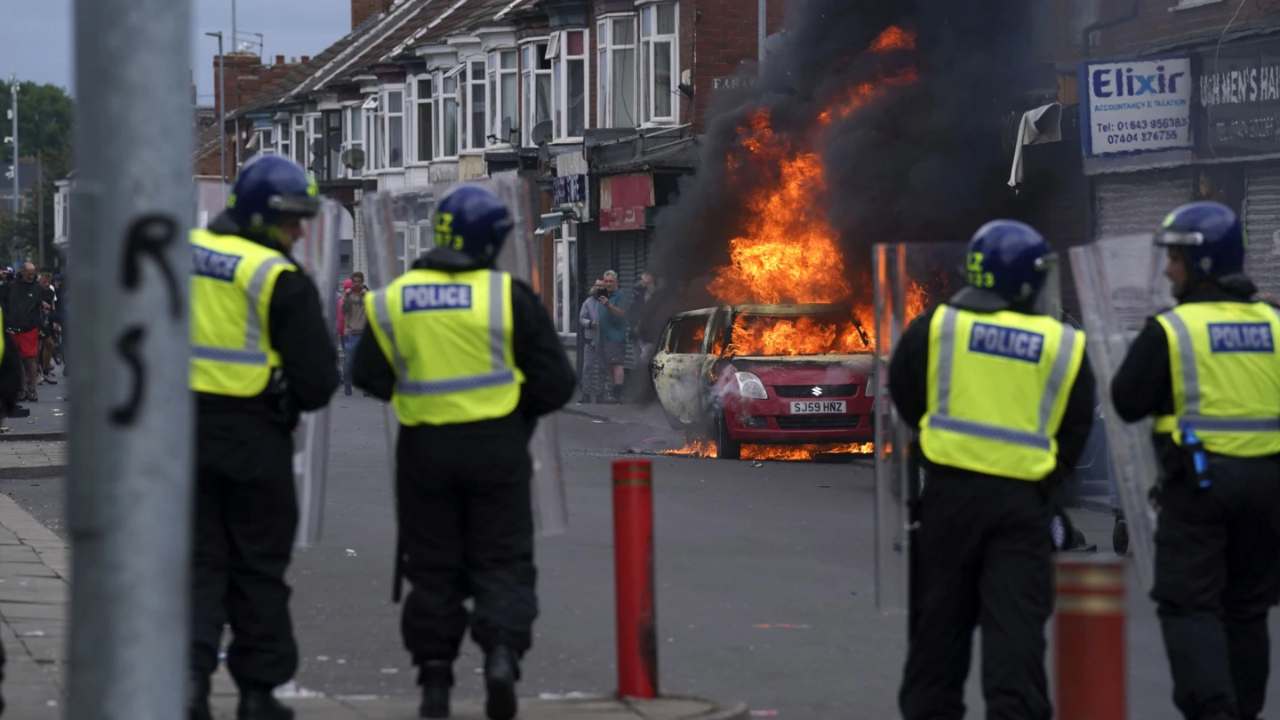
222,122
13,114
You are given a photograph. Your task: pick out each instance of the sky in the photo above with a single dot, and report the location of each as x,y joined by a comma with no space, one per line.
35,35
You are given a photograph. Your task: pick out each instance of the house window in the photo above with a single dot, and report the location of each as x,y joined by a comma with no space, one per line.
504,94
314,152
375,131
535,83
333,144
426,120
566,271
354,133
266,141
659,62
300,140
616,99
447,104
474,128
282,133
394,118
568,53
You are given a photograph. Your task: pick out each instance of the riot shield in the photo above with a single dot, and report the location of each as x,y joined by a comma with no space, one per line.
398,228
1120,282
908,279
316,253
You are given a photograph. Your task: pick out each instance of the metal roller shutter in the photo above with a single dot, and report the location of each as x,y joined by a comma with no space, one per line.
1262,225
1135,203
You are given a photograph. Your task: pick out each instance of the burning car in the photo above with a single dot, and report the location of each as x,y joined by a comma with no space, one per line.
767,374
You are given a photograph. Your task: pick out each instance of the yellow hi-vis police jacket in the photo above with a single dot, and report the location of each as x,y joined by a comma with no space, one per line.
449,338
1226,376
997,391
232,280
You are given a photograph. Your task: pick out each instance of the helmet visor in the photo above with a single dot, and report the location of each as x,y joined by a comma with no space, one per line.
294,205
1178,238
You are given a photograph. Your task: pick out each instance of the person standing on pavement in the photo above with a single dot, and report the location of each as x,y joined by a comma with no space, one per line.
470,359
10,387
1003,399
23,316
354,311
48,328
261,355
592,368
1209,372
614,334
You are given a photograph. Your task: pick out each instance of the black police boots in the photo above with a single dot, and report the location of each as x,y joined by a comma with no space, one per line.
501,671
436,679
260,704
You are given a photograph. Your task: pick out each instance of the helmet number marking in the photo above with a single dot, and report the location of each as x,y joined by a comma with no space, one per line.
977,277
444,235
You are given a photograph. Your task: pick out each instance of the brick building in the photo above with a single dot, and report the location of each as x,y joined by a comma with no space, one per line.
1200,121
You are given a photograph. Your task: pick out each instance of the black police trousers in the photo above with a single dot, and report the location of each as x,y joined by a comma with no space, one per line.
1217,575
466,531
246,516
984,558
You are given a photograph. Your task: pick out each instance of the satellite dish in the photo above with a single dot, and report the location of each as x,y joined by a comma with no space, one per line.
541,133
353,158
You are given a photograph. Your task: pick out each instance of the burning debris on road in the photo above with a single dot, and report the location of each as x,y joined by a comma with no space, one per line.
706,449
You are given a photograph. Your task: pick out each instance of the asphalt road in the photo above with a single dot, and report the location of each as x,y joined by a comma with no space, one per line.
765,582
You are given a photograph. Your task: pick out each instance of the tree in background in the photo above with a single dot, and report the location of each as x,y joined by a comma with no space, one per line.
46,121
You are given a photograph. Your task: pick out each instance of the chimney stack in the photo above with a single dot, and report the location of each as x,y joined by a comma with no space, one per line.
279,59
306,59
362,10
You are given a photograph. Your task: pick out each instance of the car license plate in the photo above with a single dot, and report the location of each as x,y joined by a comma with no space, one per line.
817,407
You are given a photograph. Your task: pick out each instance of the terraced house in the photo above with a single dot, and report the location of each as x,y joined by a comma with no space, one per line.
600,103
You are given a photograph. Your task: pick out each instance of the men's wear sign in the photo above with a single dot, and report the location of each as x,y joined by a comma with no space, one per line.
1240,99
1137,106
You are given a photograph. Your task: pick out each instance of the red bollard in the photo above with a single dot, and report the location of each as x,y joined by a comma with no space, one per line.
1091,637
633,575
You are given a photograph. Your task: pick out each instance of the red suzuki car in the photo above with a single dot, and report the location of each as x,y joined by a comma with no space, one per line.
774,374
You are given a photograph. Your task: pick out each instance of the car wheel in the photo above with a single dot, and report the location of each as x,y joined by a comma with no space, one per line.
726,447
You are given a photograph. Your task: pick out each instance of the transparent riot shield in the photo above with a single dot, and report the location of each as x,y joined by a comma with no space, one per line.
316,253
399,228
909,279
1120,282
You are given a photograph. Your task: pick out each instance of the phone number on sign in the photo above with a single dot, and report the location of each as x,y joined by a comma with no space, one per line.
1156,124
1151,136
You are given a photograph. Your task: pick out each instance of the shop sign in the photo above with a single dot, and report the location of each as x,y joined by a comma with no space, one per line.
570,189
615,219
1136,106
1240,100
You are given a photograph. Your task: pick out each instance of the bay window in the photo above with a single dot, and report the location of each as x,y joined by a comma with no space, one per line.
314,153
394,128
473,104
266,142
568,53
333,144
354,136
504,94
425,117
659,62
447,108
616,99
300,140
284,147
373,127
535,79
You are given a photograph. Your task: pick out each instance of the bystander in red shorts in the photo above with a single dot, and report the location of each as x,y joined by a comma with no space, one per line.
28,342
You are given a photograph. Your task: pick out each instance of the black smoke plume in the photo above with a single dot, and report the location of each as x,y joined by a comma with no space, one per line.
922,163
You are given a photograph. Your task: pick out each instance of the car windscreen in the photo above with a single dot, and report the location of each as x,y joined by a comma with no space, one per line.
790,335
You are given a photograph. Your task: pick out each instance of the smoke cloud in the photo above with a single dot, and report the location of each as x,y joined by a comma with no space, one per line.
922,163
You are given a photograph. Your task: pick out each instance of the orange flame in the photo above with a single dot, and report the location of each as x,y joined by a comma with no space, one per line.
699,447
789,253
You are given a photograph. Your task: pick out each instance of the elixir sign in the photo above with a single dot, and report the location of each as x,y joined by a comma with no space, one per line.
1137,106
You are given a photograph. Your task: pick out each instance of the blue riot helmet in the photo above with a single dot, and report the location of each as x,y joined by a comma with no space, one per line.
1208,236
472,220
1009,259
269,190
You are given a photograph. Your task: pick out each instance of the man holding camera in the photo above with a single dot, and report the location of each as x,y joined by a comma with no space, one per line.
592,371
613,333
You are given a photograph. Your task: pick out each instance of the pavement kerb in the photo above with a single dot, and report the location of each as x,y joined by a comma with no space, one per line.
52,436
32,472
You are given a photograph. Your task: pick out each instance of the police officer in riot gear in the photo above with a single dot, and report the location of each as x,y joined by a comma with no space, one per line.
469,358
261,354
1208,371
1003,399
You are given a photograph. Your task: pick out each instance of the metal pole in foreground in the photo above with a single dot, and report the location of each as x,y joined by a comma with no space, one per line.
13,243
132,423
1090,637
633,577
763,28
